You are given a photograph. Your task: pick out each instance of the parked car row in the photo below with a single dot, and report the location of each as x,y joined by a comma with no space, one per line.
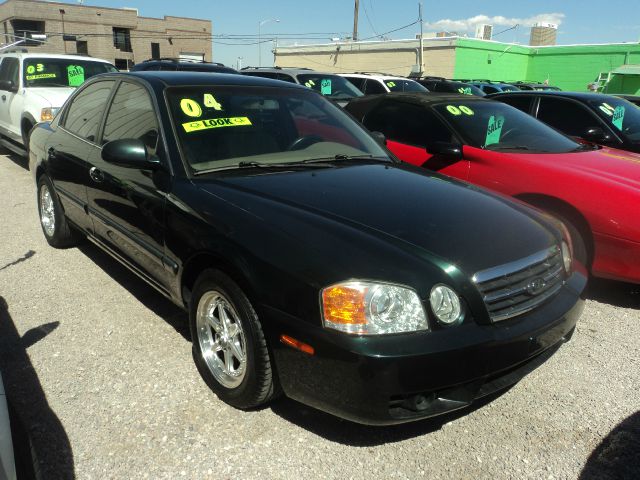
312,261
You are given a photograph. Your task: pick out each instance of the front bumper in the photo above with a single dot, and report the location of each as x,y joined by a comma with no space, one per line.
394,379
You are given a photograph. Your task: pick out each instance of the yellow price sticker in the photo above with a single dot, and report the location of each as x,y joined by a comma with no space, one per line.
40,76
466,110
190,108
211,102
216,123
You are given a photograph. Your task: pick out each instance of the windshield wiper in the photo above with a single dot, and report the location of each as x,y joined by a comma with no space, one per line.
266,165
508,147
342,157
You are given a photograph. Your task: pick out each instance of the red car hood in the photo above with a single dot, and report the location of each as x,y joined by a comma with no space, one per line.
617,166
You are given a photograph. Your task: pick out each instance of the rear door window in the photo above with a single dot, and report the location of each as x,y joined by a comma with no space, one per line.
85,111
567,116
521,102
373,87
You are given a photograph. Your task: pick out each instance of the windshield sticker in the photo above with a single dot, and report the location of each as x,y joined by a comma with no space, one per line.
618,117
40,76
75,75
465,91
325,86
216,123
310,84
453,110
466,110
494,130
211,102
190,107
391,84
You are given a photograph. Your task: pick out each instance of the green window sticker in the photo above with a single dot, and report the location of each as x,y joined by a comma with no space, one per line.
391,84
618,117
216,123
494,130
465,91
453,110
466,110
325,86
31,69
211,102
75,75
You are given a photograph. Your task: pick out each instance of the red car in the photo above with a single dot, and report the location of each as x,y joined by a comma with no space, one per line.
594,191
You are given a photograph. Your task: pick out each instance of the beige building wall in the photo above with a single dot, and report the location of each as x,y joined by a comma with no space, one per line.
393,57
95,26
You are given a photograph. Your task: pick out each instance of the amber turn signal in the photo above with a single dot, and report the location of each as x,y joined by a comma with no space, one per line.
344,305
297,344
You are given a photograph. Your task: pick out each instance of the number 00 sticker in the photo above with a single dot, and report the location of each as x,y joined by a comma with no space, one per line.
190,107
453,110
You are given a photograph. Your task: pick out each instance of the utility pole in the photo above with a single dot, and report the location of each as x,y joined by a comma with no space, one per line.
355,21
421,52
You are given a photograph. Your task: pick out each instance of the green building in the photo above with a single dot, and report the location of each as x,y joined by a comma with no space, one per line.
570,67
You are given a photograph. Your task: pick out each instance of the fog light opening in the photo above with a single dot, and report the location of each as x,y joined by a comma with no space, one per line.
420,402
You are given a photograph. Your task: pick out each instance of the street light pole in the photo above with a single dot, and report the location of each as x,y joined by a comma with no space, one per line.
259,39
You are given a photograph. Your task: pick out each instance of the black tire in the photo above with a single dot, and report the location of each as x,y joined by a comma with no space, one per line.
580,251
258,384
60,235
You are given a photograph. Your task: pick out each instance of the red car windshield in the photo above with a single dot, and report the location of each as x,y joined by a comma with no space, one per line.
496,126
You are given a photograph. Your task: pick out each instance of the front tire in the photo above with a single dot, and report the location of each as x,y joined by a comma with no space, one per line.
229,347
54,224
580,251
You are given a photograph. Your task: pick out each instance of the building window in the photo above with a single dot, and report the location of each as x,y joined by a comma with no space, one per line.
155,51
82,48
122,39
26,28
121,63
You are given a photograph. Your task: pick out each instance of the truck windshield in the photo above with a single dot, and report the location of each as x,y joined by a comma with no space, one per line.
61,72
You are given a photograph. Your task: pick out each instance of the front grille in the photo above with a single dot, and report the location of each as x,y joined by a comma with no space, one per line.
518,287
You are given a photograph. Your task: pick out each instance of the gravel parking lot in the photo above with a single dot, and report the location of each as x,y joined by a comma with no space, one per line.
99,368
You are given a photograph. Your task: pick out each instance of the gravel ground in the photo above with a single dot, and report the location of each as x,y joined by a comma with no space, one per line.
99,368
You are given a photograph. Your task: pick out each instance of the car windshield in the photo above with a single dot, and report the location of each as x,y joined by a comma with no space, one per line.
332,86
401,85
496,126
221,127
620,114
61,72
509,88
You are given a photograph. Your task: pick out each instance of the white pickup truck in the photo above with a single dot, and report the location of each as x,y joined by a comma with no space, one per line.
33,87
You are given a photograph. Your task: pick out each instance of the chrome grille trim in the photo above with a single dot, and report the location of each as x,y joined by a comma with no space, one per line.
520,286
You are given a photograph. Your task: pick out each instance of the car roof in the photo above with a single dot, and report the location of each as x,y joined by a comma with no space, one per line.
290,70
420,98
582,96
53,55
162,78
380,76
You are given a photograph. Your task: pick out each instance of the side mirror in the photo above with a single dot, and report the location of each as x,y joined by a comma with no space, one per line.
596,135
452,151
129,153
8,85
379,138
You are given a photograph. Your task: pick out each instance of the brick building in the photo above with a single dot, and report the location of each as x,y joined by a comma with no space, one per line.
118,35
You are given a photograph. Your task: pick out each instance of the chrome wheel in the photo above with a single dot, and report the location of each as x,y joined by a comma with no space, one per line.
221,339
47,211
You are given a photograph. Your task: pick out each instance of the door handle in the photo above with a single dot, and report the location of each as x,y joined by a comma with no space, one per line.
4,98
96,175
51,153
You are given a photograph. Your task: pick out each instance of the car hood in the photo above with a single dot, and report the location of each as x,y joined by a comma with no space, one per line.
607,164
55,96
421,211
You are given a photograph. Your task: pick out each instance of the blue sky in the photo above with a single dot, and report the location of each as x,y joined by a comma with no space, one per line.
585,21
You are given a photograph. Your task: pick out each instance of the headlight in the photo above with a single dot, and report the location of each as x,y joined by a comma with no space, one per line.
566,256
47,114
371,308
445,304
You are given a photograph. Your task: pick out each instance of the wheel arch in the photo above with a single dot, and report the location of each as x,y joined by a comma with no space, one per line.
201,261
566,210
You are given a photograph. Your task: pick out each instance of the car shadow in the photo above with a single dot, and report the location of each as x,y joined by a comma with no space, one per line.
50,446
618,455
21,161
145,294
352,434
611,292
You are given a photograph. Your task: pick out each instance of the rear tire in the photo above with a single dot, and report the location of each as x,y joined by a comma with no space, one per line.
54,224
229,347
